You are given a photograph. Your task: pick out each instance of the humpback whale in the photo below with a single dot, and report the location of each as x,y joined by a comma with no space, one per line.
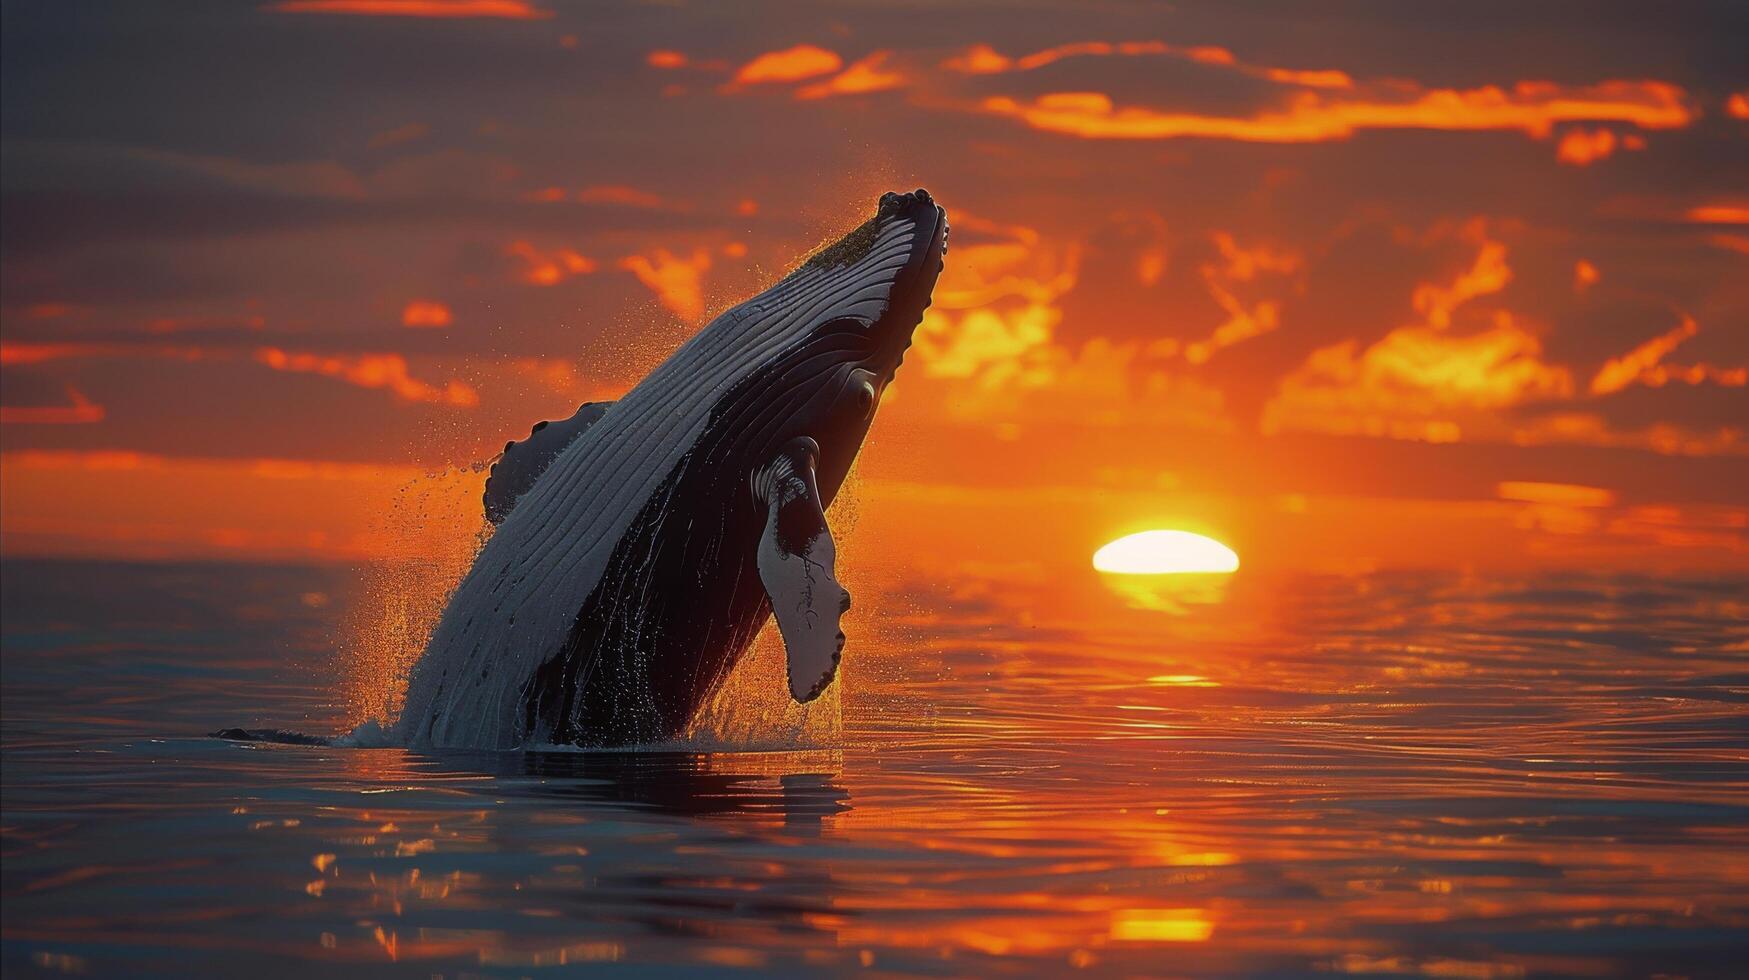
641,544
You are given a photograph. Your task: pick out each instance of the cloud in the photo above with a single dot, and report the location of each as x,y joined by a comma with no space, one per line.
987,342
1580,147
1720,213
1558,494
995,308
24,353
388,371
1489,273
400,134
1244,321
789,65
627,195
1730,243
49,311
1587,428
676,281
298,178
981,59
1417,382
1644,365
867,75
1585,275
1424,381
549,268
441,9
1532,108
425,313
14,353
1556,508
665,59
80,411
620,194
1737,106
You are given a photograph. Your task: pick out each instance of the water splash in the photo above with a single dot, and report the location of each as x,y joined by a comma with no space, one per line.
751,710
438,527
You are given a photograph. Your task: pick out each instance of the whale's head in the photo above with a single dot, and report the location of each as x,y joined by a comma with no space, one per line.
857,301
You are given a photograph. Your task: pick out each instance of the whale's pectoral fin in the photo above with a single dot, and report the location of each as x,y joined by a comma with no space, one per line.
795,564
523,462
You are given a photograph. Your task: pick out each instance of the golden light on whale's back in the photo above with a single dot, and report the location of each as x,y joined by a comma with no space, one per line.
1163,552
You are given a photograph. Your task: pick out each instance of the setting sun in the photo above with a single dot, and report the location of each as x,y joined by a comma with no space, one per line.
1163,552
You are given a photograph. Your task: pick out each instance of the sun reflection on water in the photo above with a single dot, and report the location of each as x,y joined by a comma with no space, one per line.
1426,775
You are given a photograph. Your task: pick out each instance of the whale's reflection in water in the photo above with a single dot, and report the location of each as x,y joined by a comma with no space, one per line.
797,788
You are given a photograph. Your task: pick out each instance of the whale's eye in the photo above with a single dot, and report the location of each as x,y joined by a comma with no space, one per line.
862,381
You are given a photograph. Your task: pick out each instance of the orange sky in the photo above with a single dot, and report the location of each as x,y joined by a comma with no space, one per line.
1353,289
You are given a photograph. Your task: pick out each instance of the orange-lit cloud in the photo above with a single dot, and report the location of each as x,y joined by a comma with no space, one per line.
1737,106
49,311
622,194
1581,147
996,309
18,353
501,9
1644,365
981,59
1719,214
1221,279
866,75
1532,108
1556,508
989,346
1591,429
677,281
607,194
1416,383
1622,371
425,313
1559,494
388,371
1424,381
37,353
665,59
1585,275
178,324
550,268
1730,243
789,65
1488,273
81,411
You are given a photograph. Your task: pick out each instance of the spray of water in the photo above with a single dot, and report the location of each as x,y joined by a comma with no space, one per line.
438,526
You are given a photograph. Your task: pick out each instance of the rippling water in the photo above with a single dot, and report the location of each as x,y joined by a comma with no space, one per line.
1422,775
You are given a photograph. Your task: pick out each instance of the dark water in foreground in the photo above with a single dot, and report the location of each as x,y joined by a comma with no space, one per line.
1435,776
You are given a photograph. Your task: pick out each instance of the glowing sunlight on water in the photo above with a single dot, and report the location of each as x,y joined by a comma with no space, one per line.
1413,774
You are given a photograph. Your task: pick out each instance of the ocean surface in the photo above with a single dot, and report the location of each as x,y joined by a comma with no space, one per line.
1413,775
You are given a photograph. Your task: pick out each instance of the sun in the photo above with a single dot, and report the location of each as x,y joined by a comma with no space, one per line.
1162,552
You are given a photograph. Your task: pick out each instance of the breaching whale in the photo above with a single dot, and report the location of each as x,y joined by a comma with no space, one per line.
641,544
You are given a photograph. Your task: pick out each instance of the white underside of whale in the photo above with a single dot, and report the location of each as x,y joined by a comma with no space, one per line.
517,604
